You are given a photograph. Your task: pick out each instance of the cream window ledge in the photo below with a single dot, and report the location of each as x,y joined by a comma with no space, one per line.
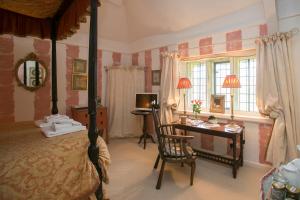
249,117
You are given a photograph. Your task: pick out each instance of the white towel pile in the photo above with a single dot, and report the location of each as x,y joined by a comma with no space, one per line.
55,125
48,120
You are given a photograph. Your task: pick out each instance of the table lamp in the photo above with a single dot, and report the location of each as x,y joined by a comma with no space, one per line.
231,81
184,83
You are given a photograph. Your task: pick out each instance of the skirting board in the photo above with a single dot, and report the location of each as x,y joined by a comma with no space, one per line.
257,165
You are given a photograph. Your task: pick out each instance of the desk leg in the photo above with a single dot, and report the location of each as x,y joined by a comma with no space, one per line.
234,162
242,149
144,130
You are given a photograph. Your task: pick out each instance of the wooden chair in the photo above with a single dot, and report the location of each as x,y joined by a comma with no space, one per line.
172,148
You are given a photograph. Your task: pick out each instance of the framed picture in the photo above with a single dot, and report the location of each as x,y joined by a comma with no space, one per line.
217,103
155,77
79,82
79,66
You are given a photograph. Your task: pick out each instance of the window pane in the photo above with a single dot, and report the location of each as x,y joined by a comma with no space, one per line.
247,98
198,78
222,69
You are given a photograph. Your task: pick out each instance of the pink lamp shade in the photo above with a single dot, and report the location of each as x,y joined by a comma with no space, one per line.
184,83
231,81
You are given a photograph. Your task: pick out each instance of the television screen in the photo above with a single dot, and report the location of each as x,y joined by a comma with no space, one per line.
144,101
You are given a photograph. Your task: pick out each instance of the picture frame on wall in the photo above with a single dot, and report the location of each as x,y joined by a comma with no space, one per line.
217,103
79,66
156,77
79,82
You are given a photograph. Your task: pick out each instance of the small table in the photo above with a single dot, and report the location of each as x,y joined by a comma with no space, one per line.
145,134
234,161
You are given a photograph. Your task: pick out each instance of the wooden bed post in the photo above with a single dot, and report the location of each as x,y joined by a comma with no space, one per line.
93,150
54,68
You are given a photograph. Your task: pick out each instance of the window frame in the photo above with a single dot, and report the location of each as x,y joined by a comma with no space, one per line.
237,92
211,80
189,72
214,78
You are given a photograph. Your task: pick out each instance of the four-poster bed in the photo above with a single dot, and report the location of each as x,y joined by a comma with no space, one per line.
56,20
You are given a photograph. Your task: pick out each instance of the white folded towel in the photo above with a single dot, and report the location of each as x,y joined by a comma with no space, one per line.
55,118
76,123
63,121
42,123
57,127
46,118
61,125
49,132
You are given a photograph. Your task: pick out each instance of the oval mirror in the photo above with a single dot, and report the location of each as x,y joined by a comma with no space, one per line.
31,72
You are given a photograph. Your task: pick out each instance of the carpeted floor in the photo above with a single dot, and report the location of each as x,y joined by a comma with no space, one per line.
132,177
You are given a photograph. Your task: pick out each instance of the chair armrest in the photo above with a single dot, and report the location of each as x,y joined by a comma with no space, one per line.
179,137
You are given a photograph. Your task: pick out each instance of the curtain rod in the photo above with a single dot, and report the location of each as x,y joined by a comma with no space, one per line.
238,53
157,48
176,44
125,67
293,31
290,16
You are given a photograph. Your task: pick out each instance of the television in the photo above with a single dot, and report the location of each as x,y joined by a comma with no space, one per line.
144,101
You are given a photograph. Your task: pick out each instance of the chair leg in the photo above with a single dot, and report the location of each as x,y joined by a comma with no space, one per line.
157,161
193,166
161,173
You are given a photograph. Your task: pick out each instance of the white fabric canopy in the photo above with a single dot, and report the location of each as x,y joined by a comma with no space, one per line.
275,95
123,83
168,91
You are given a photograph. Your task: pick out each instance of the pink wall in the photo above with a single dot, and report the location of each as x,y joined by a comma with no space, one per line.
116,56
135,59
148,72
205,46
72,95
6,80
234,40
99,72
38,103
42,98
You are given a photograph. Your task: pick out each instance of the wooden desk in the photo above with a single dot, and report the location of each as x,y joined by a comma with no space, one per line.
145,134
80,114
234,161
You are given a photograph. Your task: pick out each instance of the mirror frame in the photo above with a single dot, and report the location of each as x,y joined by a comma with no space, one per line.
31,56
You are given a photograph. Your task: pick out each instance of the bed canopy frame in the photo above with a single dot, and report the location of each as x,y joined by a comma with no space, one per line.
57,20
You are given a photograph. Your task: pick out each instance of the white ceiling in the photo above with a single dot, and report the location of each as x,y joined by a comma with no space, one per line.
131,20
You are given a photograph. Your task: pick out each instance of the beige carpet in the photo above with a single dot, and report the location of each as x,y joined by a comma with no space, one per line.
132,177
